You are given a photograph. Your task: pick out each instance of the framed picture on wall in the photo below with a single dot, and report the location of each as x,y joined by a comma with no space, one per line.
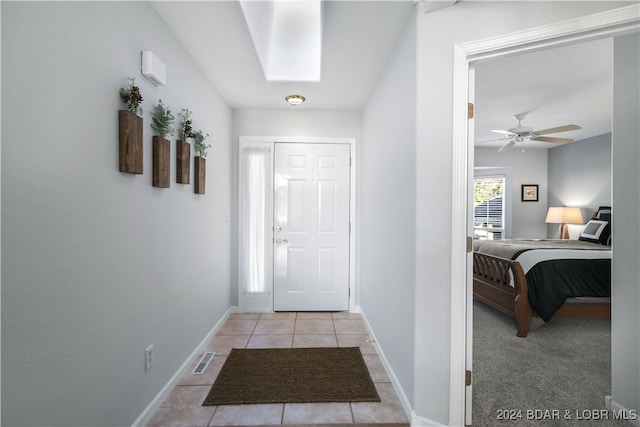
529,192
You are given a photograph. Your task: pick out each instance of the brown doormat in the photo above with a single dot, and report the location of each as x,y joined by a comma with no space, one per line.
293,375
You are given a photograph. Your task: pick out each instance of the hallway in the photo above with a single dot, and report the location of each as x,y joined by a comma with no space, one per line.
282,330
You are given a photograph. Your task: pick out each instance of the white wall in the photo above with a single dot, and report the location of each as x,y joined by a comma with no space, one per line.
472,20
387,260
292,122
528,167
98,264
625,337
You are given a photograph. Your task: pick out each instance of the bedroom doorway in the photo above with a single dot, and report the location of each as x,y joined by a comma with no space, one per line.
602,25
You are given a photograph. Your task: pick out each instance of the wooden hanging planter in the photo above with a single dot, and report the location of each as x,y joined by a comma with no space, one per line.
199,174
130,136
161,162
183,161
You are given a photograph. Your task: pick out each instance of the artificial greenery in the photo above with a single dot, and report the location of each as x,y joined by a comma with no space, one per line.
131,97
185,131
162,120
201,147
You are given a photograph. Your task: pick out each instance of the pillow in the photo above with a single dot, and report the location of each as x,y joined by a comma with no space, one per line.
603,213
596,231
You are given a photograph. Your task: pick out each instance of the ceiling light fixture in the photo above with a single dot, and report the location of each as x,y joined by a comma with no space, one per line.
295,99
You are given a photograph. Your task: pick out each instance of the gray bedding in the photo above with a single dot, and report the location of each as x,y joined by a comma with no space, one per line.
551,282
511,248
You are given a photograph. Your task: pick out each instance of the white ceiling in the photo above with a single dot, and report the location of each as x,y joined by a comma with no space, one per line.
358,38
567,85
561,86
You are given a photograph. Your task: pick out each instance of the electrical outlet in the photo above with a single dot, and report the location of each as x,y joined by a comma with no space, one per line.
148,357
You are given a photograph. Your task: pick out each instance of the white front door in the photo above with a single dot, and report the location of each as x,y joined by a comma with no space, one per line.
311,227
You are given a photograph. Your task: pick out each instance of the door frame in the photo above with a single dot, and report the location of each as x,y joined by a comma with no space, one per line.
590,27
264,302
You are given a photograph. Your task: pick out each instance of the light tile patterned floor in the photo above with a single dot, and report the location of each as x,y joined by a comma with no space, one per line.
183,407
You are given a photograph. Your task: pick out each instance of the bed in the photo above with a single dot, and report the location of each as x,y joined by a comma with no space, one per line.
546,278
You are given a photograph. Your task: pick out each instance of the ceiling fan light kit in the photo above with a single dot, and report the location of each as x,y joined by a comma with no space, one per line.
520,134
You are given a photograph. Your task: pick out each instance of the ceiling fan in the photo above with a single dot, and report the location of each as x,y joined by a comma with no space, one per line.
525,133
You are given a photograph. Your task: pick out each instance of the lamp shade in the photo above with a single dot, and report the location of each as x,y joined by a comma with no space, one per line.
564,215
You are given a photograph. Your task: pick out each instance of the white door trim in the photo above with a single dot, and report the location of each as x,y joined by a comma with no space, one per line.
605,24
270,142
471,97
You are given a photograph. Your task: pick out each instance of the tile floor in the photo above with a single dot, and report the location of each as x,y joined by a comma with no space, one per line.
183,407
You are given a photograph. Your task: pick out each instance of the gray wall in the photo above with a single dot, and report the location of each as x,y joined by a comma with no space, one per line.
576,174
98,264
528,167
580,175
625,339
388,210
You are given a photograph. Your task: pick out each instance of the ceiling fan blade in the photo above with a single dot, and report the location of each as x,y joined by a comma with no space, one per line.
492,140
551,139
507,145
503,132
564,128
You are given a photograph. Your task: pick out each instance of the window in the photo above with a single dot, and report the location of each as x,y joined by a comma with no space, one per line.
254,240
489,207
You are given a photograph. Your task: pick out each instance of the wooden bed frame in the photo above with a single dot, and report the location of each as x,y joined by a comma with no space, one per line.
501,284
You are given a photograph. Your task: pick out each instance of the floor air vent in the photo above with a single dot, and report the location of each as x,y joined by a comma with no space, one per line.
204,362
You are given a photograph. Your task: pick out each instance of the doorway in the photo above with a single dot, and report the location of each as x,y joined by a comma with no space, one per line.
296,221
606,24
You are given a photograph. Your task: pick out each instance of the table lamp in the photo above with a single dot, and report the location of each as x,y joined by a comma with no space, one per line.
564,215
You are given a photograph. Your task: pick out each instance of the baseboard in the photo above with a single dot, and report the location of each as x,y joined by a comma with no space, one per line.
415,419
418,421
404,401
144,417
630,415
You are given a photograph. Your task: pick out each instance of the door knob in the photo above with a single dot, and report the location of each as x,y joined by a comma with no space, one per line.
281,240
